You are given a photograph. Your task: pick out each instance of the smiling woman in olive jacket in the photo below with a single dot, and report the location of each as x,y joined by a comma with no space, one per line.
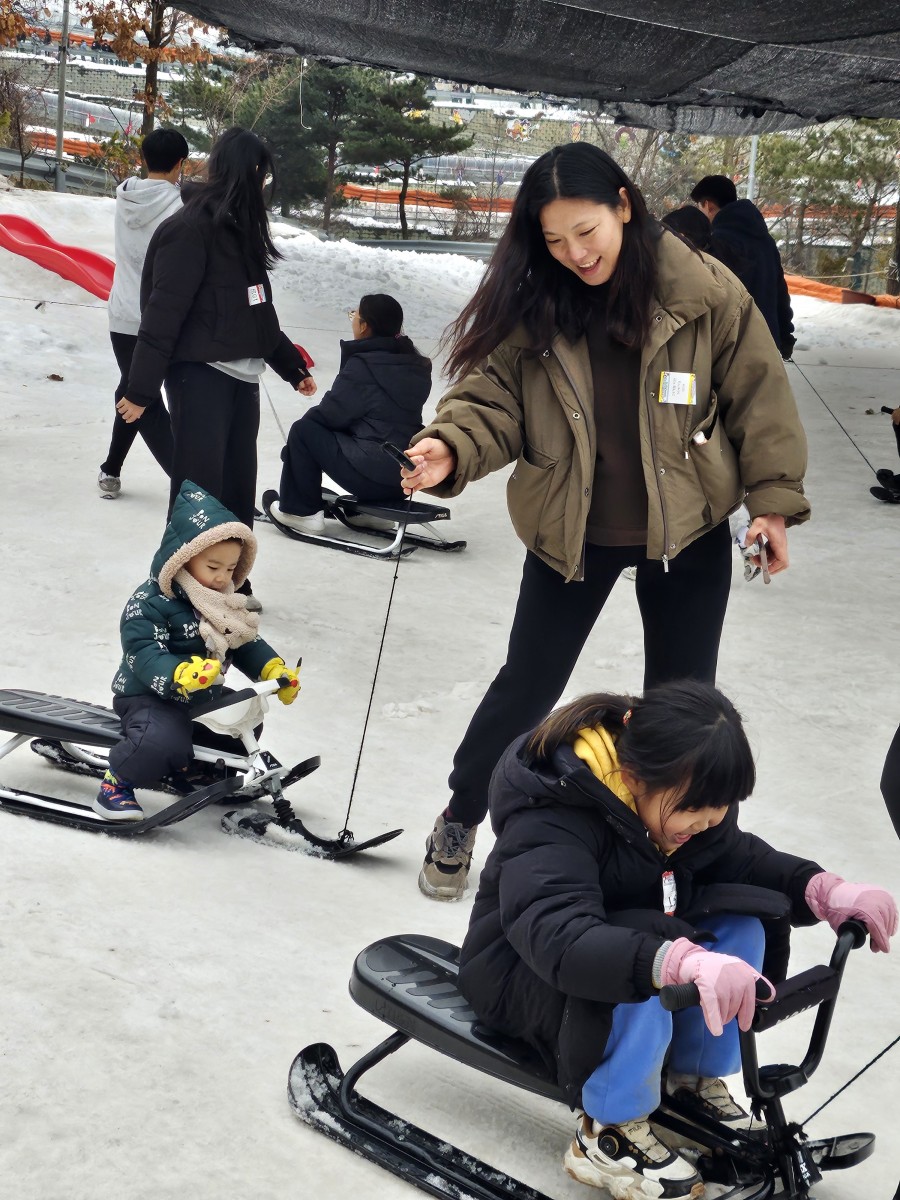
637,389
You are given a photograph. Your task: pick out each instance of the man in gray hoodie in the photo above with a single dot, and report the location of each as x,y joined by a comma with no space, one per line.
141,205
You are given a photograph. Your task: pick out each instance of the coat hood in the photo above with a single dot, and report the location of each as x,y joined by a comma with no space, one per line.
143,202
198,521
741,217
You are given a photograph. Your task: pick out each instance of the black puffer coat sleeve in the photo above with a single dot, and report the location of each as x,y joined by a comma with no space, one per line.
553,913
287,361
347,400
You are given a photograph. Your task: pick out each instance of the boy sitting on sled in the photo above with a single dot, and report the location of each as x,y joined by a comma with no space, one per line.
180,631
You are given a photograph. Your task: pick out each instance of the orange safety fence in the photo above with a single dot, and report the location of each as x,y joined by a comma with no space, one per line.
799,285
77,147
419,198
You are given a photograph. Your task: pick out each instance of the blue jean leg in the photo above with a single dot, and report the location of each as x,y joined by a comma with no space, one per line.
626,1084
694,1049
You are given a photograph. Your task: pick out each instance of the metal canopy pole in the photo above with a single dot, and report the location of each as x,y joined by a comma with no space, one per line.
751,174
61,98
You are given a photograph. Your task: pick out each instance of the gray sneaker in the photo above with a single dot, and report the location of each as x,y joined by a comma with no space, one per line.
445,872
109,485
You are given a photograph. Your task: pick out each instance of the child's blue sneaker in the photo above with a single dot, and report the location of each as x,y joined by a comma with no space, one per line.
116,801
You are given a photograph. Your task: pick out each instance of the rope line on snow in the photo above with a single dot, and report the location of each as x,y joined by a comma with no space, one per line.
880,1054
831,412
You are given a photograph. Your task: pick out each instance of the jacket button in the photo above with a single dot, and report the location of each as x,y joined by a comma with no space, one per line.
546,354
658,318
671,545
562,783
577,416
587,491
662,470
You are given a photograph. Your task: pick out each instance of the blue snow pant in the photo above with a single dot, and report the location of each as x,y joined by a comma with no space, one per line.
627,1083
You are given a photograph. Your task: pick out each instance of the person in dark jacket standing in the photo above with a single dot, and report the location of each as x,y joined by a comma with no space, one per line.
741,226
208,325
636,388
616,843
377,397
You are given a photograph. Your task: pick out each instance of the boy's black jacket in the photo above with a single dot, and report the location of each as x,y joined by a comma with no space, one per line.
569,911
195,304
377,397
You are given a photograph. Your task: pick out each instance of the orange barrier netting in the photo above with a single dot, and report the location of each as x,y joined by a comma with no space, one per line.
799,285
419,198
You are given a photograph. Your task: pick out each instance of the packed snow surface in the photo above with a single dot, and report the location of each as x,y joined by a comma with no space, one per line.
155,992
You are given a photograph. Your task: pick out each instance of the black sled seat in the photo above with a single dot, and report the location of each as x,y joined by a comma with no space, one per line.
41,716
404,513
410,983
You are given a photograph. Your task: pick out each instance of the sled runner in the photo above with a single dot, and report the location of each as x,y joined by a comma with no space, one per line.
402,515
78,736
410,983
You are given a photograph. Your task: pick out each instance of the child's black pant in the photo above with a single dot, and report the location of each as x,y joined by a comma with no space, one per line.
682,613
158,739
313,448
154,426
215,421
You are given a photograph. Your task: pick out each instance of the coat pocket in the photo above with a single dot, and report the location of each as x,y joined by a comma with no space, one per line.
716,464
526,493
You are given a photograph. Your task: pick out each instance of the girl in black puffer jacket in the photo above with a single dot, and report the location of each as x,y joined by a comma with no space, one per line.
377,397
617,851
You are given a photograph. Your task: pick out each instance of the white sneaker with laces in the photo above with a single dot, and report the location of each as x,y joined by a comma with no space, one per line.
710,1097
631,1162
109,485
308,523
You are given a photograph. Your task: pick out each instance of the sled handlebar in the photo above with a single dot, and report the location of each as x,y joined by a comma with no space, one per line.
676,996
800,991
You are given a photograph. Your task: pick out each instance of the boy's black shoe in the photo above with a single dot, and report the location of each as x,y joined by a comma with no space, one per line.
886,494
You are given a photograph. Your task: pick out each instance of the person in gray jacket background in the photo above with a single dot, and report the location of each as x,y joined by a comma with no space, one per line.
141,205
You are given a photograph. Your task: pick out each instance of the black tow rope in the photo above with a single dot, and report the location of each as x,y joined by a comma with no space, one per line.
871,1062
832,414
345,835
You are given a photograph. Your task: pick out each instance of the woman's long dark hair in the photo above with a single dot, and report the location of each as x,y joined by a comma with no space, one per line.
384,316
678,735
524,283
239,165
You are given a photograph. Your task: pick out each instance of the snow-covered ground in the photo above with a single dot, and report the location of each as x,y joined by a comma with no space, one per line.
154,993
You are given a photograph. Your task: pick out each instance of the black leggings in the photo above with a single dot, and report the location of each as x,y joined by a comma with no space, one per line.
313,448
215,420
153,426
682,613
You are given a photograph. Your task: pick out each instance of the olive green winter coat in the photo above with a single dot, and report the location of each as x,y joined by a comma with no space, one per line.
537,410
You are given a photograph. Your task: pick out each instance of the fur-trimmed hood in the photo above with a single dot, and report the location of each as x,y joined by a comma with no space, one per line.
198,521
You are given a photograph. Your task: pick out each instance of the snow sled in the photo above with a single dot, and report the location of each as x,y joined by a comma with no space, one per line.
410,983
78,736
403,540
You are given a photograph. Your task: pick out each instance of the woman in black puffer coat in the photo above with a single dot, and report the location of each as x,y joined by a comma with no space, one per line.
377,397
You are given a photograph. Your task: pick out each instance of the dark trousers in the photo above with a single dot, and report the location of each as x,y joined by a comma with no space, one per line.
890,782
153,426
215,421
312,448
158,737
682,612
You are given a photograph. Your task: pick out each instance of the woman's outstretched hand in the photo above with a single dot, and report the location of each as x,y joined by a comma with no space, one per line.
307,386
434,462
772,529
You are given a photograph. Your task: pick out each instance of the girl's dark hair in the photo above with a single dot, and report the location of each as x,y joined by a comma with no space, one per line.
695,228
384,316
685,734
524,283
690,224
239,165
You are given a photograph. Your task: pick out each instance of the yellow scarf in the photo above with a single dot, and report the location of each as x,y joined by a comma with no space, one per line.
597,748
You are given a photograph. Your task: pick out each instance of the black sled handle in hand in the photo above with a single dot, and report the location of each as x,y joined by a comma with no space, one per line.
675,996
886,408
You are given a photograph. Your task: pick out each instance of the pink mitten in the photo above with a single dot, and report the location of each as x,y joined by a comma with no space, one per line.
727,985
834,900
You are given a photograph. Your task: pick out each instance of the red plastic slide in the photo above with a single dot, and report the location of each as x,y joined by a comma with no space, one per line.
89,270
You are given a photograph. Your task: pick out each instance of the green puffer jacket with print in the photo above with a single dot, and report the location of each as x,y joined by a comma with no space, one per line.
536,409
159,627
